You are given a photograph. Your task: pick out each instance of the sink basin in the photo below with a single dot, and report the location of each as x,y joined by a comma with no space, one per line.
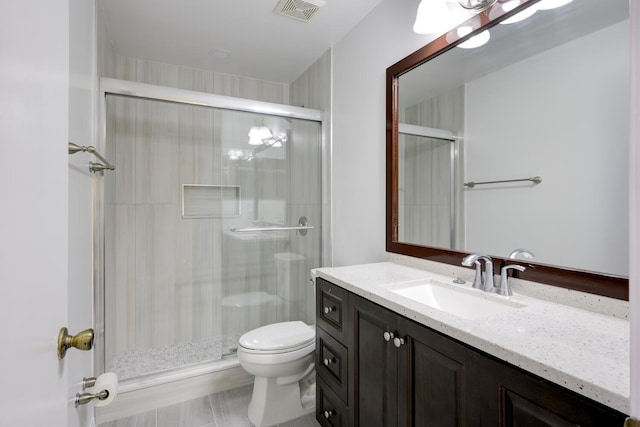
464,303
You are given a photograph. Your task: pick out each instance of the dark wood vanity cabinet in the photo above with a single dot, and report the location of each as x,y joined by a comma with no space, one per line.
391,371
333,336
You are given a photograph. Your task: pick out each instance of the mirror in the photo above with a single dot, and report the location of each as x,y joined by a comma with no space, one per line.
519,143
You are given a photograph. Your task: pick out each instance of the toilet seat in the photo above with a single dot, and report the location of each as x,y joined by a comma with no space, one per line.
283,337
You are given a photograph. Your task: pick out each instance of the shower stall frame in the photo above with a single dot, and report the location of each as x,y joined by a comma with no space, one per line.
189,382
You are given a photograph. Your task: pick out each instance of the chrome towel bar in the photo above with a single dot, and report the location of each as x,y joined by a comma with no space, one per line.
302,227
534,179
93,167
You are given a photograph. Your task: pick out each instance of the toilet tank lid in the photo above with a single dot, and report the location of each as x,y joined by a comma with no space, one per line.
278,336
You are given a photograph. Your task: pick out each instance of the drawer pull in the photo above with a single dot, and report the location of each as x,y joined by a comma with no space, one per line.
398,342
388,336
328,309
328,361
329,413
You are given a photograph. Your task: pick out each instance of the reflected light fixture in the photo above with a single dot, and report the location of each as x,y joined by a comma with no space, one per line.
477,5
521,16
475,41
552,4
258,133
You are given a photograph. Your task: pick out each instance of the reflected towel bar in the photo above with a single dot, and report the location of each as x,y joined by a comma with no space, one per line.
93,167
535,180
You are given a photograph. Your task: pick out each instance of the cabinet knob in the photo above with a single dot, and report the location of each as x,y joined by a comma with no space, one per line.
398,342
388,336
328,309
328,361
329,413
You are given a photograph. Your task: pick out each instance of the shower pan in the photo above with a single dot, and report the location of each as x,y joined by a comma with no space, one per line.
202,234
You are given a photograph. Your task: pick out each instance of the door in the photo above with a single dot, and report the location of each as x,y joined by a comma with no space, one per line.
34,82
375,364
432,379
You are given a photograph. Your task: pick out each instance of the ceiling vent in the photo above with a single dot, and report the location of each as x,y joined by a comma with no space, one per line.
301,10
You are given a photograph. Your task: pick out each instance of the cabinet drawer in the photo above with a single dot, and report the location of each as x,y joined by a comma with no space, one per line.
332,363
330,410
331,304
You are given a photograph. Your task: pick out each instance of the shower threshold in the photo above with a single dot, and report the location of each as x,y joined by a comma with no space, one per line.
151,362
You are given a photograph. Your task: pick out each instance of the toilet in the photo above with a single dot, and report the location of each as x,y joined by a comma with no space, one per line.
281,357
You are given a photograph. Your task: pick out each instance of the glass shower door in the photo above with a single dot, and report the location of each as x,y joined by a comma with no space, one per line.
183,276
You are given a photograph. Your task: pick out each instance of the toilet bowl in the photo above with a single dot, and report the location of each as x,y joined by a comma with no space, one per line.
281,357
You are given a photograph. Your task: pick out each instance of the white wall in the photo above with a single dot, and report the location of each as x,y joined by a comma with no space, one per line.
358,118
576,139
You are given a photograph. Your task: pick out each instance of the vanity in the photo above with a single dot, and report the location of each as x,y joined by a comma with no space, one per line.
386,359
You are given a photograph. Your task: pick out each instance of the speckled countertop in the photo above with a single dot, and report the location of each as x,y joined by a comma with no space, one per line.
584,351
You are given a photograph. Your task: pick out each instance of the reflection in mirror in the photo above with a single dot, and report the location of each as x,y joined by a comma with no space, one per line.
548,97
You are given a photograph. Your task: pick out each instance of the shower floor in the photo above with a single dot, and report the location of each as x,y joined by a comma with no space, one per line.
137,363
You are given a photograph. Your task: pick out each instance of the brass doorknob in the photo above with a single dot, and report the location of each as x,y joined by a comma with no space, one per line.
82,341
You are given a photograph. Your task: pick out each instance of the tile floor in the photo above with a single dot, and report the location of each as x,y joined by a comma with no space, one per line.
224,409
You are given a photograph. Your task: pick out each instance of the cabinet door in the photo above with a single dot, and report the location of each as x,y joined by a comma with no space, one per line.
432,382
519,399
374,365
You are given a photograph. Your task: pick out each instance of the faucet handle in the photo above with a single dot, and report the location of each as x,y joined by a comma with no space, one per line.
524,253
504,288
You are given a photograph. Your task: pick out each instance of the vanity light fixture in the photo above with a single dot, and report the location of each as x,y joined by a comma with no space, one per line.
439,16
432,17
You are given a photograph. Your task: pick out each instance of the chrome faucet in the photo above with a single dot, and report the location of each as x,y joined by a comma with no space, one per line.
481,282
504,288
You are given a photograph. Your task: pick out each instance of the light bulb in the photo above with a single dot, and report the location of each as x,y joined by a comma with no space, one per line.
432,17
552,4
520,16
475,41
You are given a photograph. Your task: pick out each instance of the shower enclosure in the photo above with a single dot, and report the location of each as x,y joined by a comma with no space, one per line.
212,221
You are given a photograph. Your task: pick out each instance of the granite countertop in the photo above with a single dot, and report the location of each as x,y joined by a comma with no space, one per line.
581,350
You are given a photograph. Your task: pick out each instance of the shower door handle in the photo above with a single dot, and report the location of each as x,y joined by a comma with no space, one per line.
302,227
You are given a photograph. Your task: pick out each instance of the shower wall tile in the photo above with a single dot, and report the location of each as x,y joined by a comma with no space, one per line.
120,297
245,87
123,138
157,148
313,89
155,267
196,132
197,282
157,73
126,68
195,79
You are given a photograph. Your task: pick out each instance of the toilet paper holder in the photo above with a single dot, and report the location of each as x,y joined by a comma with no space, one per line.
84,398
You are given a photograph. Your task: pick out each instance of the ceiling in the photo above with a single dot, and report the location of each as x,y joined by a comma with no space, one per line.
240,37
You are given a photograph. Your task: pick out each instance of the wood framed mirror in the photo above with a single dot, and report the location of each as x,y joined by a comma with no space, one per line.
546,98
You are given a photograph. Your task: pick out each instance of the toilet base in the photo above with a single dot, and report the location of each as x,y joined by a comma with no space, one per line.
272,403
